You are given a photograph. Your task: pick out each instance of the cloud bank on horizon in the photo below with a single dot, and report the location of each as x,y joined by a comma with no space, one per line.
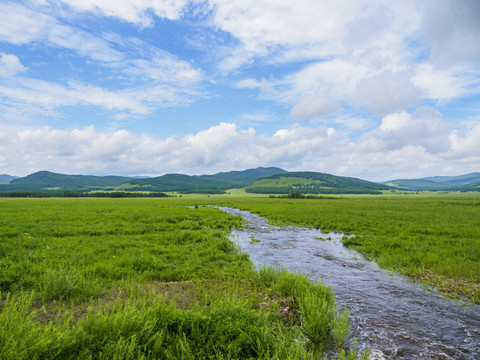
370,89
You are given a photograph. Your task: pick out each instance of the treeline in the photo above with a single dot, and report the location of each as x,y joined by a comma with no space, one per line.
204,191
113,194
179,189
300,196
309,189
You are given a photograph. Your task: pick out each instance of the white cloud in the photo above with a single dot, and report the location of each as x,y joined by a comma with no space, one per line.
404,145
465,143
108,49
264,23
21,25
451,30
423,128
165,68
49,95
10,65
383,56
448,83
155,79
387,92
346,83
46,96
312,106
314,29
325,61
138,11
257,117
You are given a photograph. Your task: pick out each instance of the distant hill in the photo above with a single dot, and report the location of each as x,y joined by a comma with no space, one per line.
313,183
438,183
4,178
53,182
465,179
470,187
245,177
217,183
415,185
176,182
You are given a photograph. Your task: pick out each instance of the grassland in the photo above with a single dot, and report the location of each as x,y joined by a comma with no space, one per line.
154,278
150,279
434,239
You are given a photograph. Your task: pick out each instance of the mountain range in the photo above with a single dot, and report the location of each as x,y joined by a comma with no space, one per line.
216,183
45,181
270,180
466,182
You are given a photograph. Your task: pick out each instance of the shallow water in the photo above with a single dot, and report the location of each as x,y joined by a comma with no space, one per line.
395,318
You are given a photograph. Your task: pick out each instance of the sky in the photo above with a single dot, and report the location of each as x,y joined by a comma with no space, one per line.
372,89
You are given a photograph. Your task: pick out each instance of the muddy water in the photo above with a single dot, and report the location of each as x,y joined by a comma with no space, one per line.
393,317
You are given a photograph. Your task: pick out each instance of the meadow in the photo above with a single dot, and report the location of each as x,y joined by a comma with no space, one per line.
431,238
150,279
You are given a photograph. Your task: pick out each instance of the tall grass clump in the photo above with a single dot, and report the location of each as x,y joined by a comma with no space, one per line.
66,284
22,336
324,326
146,328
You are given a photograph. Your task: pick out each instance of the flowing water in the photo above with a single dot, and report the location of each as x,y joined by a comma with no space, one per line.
395,318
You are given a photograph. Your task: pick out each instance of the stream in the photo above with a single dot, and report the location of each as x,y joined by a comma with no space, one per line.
395,318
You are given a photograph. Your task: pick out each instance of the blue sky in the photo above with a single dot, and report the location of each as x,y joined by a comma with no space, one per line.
370,89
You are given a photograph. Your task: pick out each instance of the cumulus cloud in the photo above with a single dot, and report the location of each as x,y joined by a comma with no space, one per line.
314,29
404,145
465,143
384,57
10,65
423,128
320,88
263,24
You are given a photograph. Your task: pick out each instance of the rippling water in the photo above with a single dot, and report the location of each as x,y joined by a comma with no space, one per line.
395,318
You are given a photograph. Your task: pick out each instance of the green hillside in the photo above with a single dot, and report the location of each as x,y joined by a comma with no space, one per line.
4,178
313,183
217,183
53,182
246,177
465,179
416,185
45,181
470,187
177,182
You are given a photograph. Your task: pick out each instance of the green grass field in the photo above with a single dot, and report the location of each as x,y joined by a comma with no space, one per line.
150,279
433,238
159,278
